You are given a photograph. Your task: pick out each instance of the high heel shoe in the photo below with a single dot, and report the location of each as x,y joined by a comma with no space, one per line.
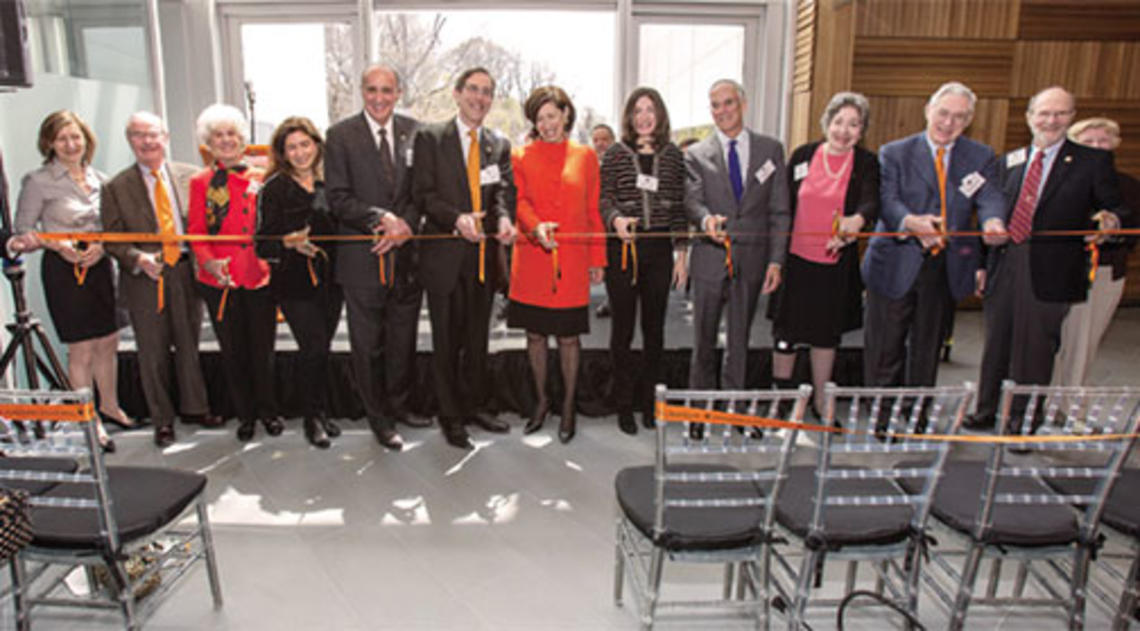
315,433
128,424
538,417
569,425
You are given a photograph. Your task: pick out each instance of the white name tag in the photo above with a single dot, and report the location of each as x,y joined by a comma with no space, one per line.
765,172
1014,158
647,182
800,171
408,158
489,175
971,183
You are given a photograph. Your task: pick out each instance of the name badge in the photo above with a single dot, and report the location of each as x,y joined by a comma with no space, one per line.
800,171
647,182
489,175
408,158
1014,158
765,171
971,183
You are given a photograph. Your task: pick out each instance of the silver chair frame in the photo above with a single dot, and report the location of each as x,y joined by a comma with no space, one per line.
863,436
38,574
761,461
1064,411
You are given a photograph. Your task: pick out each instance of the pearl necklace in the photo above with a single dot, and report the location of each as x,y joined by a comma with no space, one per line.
835,175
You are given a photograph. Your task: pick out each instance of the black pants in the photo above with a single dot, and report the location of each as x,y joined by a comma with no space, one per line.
460,325
245,335
902,337
651,289
313,321
382,330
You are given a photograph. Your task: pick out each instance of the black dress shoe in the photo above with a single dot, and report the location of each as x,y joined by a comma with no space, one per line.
626,423
456,435
979,422
331,428
246,429
315,433
205,420
412,421
385,432
569,425
273,426
649,420
538,417
489,423
164,436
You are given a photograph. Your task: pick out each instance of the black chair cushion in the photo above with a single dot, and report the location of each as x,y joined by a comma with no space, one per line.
691,528
145,499
45,465
842,525
957,502
1122,510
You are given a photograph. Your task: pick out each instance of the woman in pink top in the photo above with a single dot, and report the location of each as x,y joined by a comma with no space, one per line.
834,187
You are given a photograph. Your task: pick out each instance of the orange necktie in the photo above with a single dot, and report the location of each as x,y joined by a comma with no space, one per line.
476,193
941,171
165,213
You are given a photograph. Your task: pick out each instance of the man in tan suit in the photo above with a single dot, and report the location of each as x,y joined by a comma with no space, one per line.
150,197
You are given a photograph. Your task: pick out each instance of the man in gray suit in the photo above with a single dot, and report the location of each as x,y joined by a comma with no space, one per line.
367,162
133,201
737,194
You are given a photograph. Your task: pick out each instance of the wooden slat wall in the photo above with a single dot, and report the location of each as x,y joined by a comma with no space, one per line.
898,51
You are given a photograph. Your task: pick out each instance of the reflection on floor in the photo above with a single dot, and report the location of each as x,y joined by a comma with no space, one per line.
517,534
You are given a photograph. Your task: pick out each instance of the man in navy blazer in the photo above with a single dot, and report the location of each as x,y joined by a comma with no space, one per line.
1054,184
459,285
914,282
367,173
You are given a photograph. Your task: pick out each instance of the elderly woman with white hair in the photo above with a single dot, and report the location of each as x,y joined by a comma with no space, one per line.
1087,321
231,279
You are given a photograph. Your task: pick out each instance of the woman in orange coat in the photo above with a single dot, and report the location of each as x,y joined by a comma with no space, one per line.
233,281
557,183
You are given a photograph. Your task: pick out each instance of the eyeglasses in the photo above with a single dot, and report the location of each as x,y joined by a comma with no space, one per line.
473,89
146,135
1053,113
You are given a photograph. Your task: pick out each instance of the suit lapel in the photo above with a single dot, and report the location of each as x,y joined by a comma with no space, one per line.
402,144
368,147
136,188
453,152
924,161
1013,181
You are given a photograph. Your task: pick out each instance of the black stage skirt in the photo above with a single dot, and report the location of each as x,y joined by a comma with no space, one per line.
80,312
813,304
546,321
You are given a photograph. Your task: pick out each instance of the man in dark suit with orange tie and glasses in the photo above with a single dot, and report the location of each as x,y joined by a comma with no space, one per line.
1053,184
462,184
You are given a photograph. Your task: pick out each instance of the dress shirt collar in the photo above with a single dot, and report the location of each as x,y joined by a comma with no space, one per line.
741,138
388,127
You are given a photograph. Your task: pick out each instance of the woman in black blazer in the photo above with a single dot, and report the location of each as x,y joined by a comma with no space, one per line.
834,191
292,206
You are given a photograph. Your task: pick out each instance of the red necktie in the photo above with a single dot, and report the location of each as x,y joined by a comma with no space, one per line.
1021,224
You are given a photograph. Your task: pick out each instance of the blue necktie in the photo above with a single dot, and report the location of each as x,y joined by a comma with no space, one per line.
734,170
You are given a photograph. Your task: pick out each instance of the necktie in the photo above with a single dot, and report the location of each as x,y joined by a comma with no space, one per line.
165,215
386,167
940,169
473,172
734,171
1021,223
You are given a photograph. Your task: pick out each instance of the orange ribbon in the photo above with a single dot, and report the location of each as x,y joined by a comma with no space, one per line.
313,273
383,275
628,251
80,274
728,257
222,304
482,261
161,292
1094,260
556,271
69,412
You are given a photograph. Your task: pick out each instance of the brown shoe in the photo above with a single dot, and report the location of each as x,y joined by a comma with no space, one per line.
164,436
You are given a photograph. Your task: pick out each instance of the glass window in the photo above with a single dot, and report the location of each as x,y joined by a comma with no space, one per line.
312,76
523,49
682,61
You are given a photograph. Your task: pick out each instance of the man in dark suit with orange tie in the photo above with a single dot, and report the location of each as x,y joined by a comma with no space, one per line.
1054,184
367,173
462,184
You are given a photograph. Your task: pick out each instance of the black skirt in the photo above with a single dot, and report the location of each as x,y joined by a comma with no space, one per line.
547,321
80,312
812,304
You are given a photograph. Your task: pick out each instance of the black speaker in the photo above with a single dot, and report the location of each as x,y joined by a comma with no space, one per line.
15,64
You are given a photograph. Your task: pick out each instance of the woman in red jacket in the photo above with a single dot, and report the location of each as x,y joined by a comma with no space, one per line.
232,280
557,183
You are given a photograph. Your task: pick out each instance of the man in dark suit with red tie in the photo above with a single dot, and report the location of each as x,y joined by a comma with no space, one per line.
367,162
1054,184
462,184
